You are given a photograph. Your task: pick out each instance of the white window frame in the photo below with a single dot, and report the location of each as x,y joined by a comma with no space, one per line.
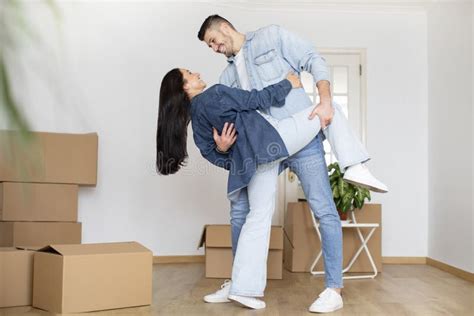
285,195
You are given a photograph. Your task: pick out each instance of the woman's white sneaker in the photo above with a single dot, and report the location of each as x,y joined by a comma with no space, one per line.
328,301
247,301
220,296
360,175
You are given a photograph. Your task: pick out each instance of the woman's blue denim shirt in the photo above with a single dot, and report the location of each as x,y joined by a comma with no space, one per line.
257,142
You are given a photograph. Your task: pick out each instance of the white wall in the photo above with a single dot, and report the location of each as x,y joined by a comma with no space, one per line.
115,55
450,135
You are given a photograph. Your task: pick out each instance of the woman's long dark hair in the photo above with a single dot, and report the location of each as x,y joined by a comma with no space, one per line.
173,119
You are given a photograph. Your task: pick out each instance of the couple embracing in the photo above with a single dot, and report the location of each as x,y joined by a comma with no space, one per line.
255,123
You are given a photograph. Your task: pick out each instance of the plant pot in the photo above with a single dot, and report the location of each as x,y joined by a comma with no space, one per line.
342,215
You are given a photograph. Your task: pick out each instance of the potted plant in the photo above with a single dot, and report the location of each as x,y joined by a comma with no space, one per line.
346,196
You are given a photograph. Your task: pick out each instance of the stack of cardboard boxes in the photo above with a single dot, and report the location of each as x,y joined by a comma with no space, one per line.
42,262
39,187
39,184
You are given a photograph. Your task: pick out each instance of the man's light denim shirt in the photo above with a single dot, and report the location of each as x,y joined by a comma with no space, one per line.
270,53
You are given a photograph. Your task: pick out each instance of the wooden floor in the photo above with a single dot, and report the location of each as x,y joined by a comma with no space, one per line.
399,290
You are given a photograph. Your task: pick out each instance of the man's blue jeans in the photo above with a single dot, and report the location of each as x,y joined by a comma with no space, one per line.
310,167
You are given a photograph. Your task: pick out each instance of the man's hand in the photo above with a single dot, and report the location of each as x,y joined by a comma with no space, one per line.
226,139
324,109
294,80
325,112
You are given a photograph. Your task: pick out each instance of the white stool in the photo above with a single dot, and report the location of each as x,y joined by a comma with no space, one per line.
363,246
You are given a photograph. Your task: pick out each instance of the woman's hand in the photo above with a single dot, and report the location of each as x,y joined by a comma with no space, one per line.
294,80
226,139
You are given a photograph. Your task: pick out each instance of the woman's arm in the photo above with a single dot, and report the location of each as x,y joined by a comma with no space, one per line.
273,95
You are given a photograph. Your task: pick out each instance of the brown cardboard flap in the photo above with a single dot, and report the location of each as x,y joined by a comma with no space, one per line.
215,236
32,248
288,238
92,249
49,249
7,249
220,236
203,237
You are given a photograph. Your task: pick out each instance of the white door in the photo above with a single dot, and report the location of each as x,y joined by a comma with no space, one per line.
347,88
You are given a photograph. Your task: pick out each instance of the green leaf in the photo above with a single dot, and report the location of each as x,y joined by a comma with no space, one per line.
335,192
341,186
9,104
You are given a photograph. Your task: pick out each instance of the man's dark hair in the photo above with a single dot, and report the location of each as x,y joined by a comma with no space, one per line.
209,22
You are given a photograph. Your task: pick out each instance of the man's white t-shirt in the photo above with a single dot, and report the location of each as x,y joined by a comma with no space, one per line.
242,70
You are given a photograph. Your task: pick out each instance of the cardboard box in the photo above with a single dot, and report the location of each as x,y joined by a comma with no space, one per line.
90,277
38,202
38,234
218,242
49,158
16,277
302,244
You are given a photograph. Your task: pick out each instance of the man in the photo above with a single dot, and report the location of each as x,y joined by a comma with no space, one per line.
259,59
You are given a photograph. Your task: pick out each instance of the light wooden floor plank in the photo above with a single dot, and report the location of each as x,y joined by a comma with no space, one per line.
400,290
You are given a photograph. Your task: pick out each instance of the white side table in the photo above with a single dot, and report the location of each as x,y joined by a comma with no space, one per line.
363,246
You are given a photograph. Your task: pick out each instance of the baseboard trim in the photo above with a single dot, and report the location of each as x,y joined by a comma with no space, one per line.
404,260
385,260
178,259
468,276
201,258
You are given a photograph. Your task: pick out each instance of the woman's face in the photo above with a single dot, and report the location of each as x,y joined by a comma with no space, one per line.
192,81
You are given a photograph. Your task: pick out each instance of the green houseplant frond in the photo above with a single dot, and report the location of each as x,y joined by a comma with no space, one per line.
346,195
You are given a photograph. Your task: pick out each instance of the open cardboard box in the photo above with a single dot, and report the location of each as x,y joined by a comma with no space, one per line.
16,276
218,251
91,277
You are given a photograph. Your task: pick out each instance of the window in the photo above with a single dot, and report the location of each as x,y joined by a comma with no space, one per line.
345,70
339,92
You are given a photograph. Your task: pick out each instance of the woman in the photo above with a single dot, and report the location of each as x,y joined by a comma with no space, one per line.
183,100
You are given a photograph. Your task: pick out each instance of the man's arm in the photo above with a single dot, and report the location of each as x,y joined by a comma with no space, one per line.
301,55
228,136
226,139
324,109
205,142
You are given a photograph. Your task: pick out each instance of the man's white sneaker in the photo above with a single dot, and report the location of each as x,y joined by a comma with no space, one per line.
220,296
359,174
328,301
250,302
